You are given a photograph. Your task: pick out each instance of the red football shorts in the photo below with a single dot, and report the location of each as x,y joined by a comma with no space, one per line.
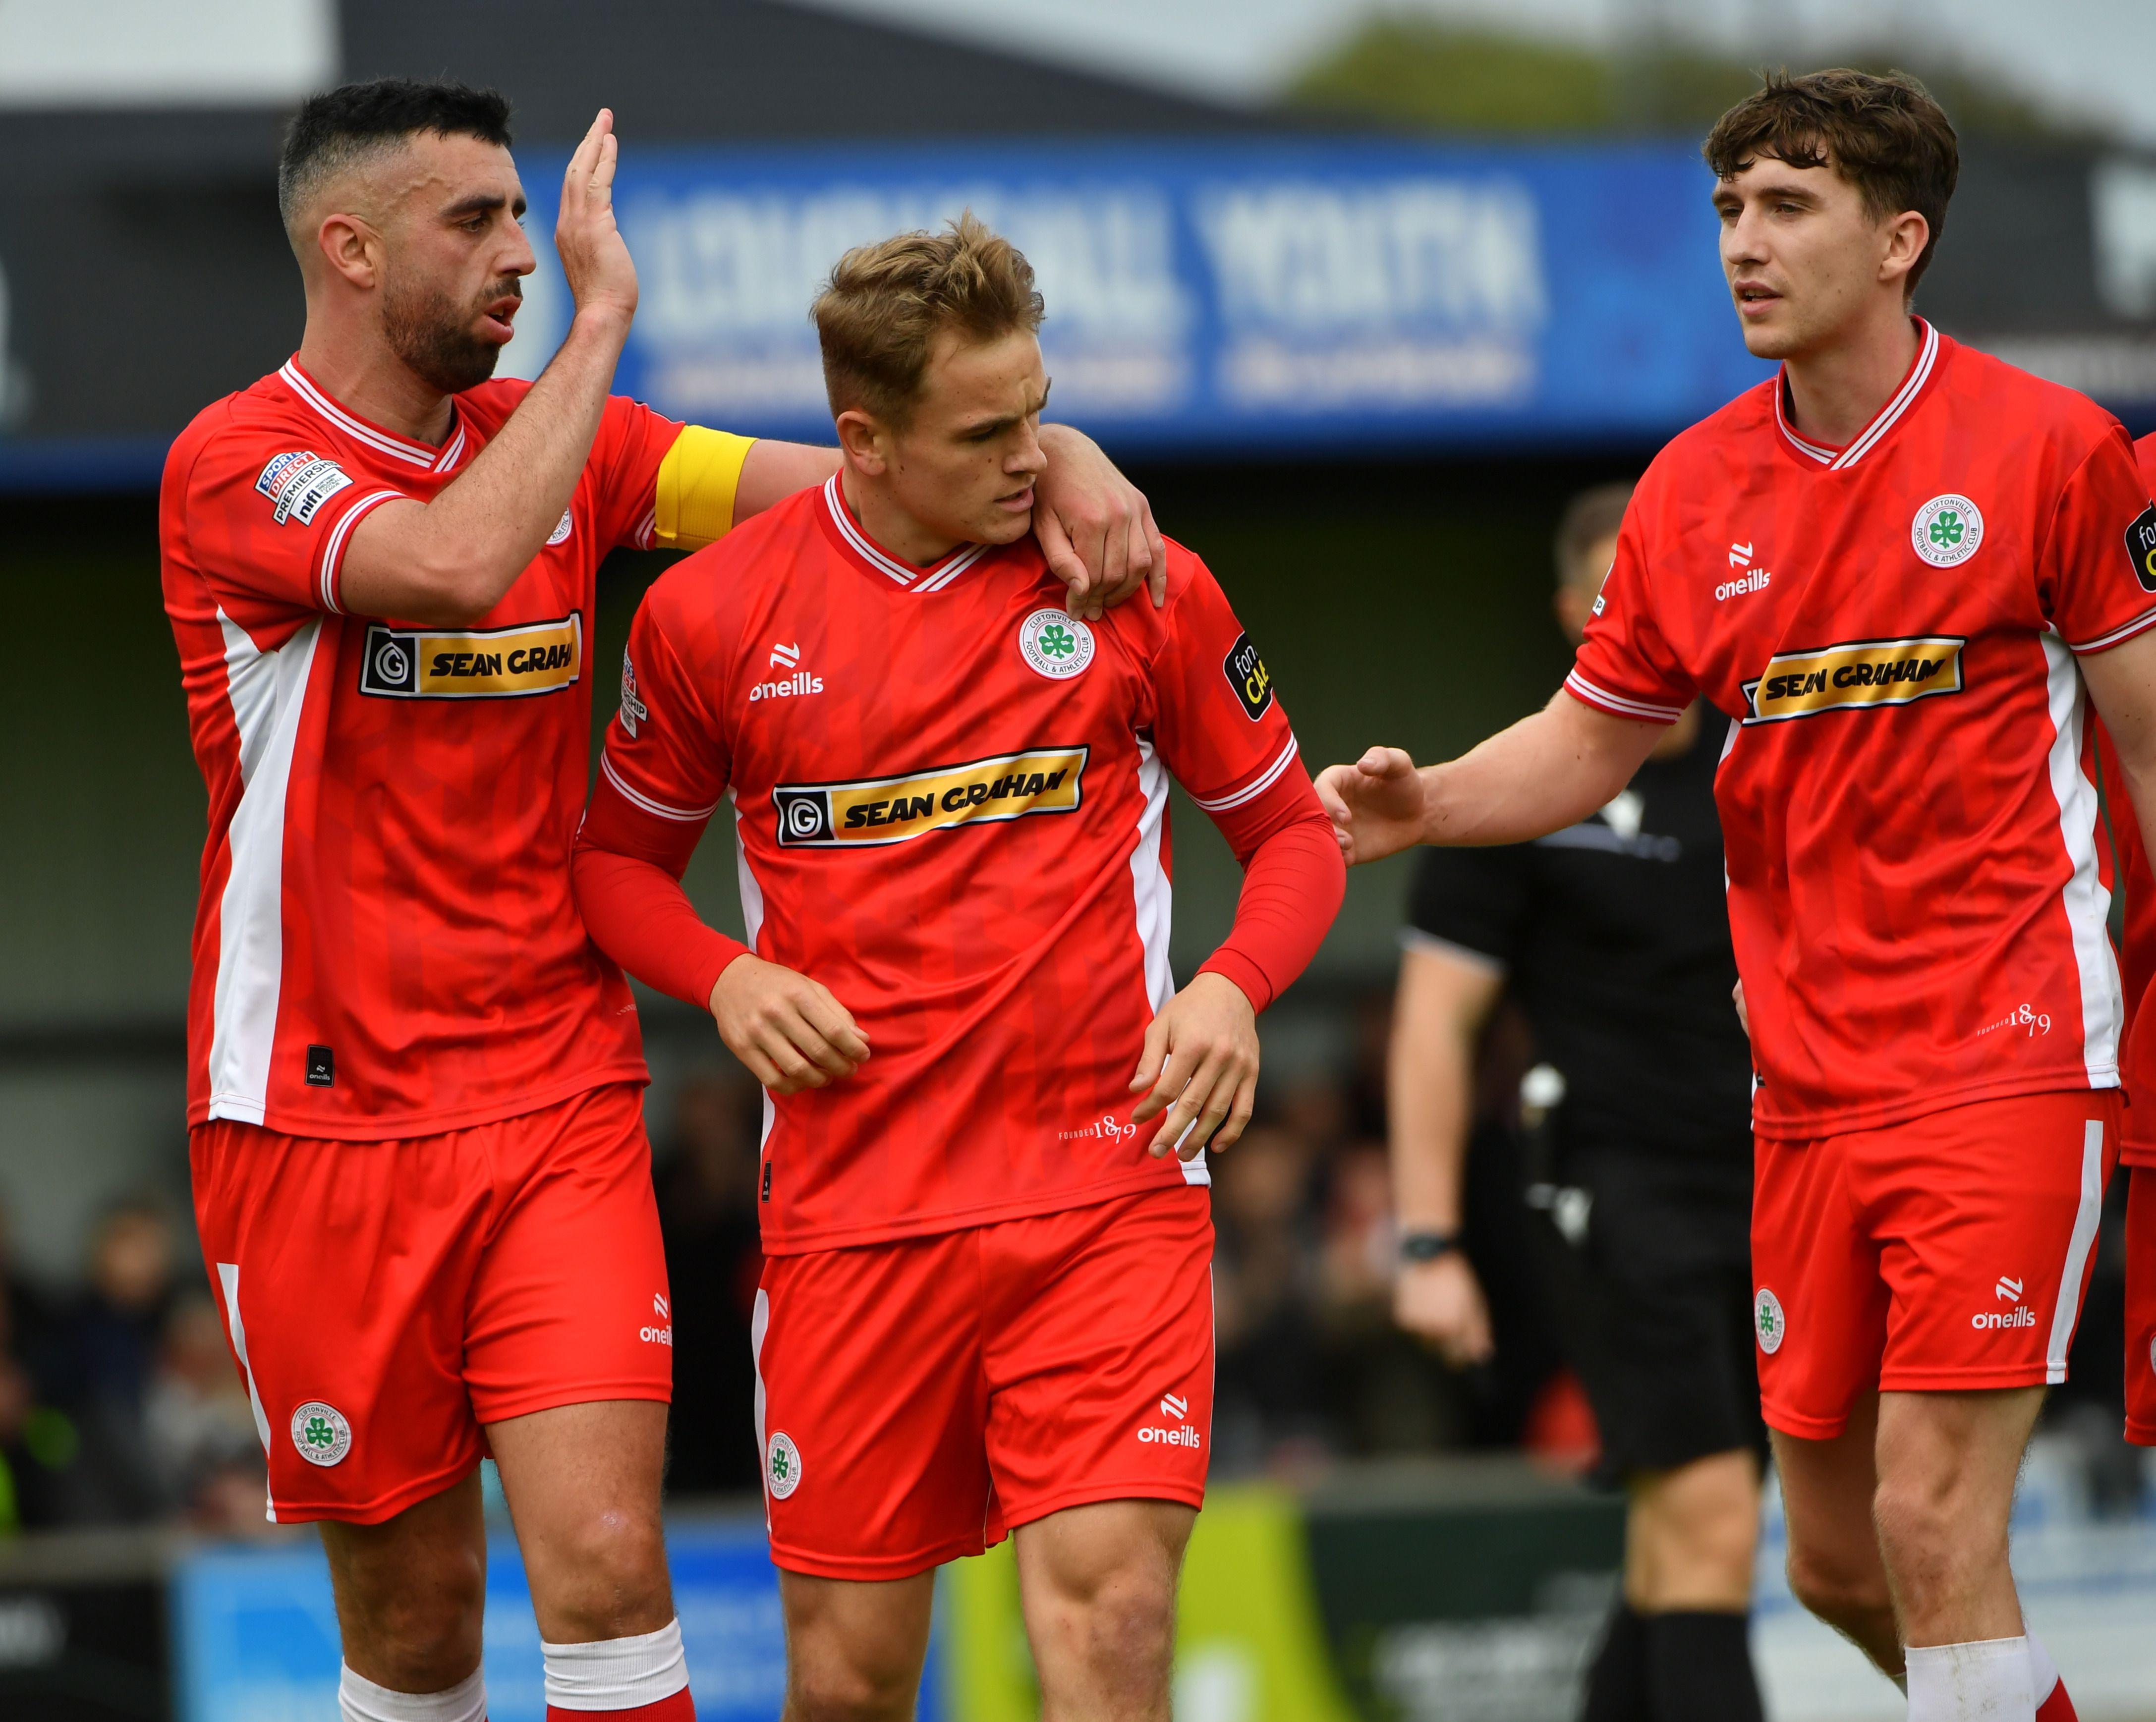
2141,1306
1949,1252
917,1400
384,1299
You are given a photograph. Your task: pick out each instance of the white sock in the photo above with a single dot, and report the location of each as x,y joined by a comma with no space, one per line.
616,1674
2043,1672
1984,1681
360,1700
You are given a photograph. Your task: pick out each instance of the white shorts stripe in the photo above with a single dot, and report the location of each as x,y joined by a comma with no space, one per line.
2066,1308
227,1279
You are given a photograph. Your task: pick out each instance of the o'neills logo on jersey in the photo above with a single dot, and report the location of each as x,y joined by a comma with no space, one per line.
890,810
473,664
1862,673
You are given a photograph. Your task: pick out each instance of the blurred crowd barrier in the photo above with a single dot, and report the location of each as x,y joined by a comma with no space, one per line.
1460,1590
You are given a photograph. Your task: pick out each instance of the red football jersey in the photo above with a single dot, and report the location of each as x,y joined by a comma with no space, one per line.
387,943
1912,835
950,803
2138,1141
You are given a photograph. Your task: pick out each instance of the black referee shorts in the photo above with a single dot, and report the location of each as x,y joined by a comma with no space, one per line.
1648,1259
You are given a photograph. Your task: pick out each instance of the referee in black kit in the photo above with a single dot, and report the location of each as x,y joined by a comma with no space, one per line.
1613,939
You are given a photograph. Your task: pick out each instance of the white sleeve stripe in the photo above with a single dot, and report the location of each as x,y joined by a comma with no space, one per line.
1622,705
2146,619
333,547
1250,791
658,810
647,529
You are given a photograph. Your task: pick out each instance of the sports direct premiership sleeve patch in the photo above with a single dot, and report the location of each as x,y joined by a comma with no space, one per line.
1248,677
2141,547
299,483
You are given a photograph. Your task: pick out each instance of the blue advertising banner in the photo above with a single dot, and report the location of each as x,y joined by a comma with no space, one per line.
1208,296
255,1630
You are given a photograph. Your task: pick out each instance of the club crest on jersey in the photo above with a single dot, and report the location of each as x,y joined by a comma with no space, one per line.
1054,645
1947,530
298,484
891,810
1862,673
473,664
2141,547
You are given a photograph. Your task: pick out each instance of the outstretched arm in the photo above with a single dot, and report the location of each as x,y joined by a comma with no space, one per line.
1544,773
2122,683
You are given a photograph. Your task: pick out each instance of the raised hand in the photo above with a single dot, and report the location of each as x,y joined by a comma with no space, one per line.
788,1029
595,259
1377,805
1200,1061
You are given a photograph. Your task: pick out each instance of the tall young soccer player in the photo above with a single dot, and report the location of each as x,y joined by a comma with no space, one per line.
1940,572
414,1092
987,1305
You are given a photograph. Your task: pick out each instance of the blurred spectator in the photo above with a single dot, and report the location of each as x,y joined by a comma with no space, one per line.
707,1214
199,1428
1268,1402
97,1372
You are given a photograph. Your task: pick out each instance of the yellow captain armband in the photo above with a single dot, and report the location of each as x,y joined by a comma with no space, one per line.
696,485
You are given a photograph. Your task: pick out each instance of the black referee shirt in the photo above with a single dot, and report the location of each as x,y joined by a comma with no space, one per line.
1614,939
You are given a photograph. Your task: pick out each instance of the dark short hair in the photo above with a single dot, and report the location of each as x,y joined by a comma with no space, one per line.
1884,134
1589,518
333,130
886,303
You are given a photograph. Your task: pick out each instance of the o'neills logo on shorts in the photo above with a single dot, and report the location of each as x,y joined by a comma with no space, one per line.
890,810
1862,673
473,663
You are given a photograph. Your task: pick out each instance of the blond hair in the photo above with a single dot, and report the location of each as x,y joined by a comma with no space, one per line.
886,303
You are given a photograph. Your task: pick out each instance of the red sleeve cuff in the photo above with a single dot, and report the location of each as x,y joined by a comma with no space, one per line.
1234,966
638,914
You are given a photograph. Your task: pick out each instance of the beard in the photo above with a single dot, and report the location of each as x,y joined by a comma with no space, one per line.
432,335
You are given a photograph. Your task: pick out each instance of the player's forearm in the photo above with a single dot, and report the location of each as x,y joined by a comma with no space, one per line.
450,561
1542,774
1293,881
2122,684
773,471
1431,1087
637,913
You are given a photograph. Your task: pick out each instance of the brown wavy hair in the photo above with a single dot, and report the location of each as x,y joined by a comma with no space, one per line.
1884,134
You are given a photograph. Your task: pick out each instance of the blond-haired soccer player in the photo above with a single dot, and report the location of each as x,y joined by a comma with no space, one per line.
987,1302
1902,569
419,1163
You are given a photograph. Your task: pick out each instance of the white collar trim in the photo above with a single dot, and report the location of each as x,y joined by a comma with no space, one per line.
383,442
1841,459
916,579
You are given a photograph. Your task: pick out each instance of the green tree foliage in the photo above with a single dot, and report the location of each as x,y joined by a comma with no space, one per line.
1425,76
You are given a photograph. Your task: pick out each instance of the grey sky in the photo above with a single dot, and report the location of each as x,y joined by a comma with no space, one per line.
2080,56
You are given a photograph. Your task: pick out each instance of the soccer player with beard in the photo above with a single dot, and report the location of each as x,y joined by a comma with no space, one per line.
420,1164
1903,569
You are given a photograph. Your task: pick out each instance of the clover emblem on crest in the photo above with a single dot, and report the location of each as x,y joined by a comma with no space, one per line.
1947,530
1058,641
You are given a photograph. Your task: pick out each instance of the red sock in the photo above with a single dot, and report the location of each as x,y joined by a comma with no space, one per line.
679,1708
2057,1708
